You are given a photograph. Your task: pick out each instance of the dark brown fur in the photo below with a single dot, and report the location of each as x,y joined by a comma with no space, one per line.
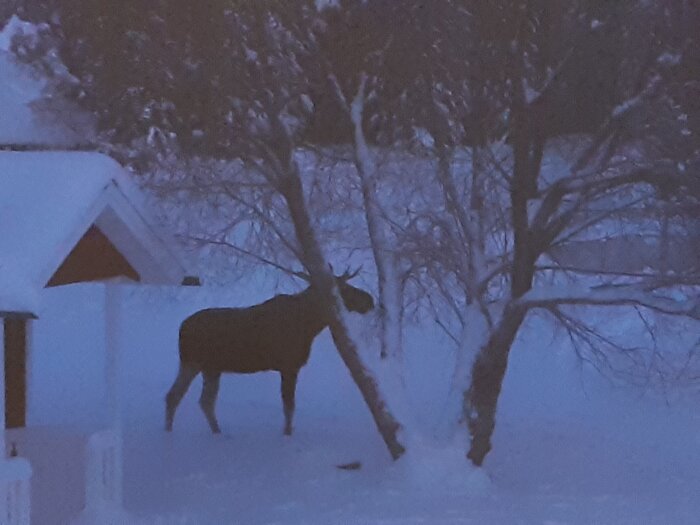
274,335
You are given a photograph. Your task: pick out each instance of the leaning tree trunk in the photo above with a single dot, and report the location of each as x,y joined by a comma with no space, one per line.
388,426
489,369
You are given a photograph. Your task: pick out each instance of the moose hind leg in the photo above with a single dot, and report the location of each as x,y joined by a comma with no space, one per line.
289,384
182,382
207,401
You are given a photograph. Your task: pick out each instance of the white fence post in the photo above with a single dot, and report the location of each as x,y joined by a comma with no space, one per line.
103,475
15,490
104,471
104,462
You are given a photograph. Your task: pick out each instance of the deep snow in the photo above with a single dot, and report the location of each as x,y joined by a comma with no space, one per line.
569,447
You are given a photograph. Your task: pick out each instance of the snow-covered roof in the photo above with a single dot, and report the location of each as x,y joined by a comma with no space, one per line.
48,200
16,295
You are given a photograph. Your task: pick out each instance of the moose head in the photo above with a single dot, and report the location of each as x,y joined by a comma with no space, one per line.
355,299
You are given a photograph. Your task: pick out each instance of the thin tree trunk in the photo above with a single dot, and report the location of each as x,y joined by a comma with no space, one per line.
473,339
388,284
475,332
388,426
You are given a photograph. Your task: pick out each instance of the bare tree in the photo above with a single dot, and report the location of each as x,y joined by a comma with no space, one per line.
521,212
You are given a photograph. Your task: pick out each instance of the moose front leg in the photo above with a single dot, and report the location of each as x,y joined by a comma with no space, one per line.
289,385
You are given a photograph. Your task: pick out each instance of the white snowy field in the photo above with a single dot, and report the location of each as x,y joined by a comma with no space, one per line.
569,448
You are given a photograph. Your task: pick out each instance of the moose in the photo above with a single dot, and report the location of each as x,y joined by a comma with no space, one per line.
274,335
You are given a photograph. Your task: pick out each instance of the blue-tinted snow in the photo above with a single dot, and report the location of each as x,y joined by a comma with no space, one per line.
568,448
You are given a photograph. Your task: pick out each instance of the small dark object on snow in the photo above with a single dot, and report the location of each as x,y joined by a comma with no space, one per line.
355,465
274,335
13,450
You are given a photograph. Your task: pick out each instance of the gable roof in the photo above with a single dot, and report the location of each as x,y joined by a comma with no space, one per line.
48,200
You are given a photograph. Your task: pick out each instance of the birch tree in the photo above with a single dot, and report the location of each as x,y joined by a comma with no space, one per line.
353,46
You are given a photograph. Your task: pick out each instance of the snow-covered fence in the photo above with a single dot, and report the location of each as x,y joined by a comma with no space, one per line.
15,489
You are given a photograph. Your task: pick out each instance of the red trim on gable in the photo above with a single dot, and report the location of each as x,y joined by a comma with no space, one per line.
93,258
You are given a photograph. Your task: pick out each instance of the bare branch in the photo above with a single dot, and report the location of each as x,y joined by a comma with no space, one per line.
608,295
248,253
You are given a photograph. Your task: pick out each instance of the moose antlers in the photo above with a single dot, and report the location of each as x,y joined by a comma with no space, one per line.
346,276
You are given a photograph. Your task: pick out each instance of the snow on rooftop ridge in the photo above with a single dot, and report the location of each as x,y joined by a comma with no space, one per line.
91,170
95,158
43,196
49,198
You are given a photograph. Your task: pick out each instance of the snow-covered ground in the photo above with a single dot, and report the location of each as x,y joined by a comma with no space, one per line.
569,447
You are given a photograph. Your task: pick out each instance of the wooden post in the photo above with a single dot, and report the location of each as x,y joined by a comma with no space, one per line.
16,341
2,388
15,473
